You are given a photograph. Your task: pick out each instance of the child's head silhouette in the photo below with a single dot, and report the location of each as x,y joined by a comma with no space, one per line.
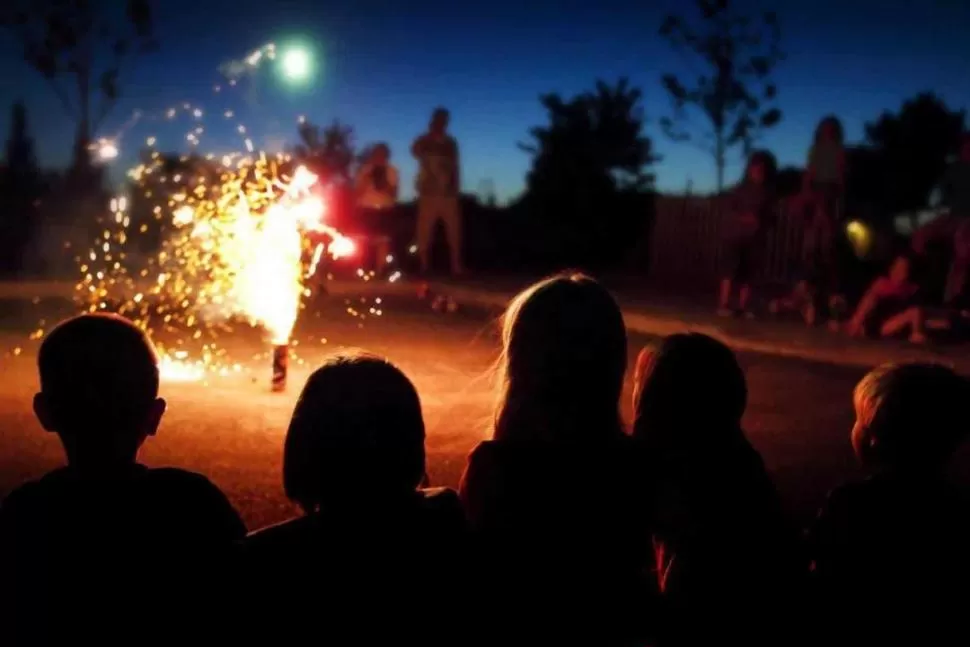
563,360
99,389
830,129
909,416
380,154
688,391
762,169
357,428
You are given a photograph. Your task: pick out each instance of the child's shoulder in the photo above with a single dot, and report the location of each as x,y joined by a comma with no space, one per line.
36,492
888,493
443,511
178,477
440,499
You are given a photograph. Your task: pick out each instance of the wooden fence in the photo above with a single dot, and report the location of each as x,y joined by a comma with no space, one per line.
687,246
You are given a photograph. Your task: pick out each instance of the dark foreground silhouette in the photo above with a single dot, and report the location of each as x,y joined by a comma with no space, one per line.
88,547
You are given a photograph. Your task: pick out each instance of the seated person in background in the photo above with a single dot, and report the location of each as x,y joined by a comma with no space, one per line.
376,188
555,497
890,306
372,545
91,546
894,546
729,563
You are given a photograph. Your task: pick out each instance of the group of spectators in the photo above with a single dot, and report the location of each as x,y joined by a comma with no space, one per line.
569,526
898,304
375,216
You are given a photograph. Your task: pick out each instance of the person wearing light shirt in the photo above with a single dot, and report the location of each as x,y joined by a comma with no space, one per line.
438,184
376,187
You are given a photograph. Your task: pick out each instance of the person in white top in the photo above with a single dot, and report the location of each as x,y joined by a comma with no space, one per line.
376,187
438,184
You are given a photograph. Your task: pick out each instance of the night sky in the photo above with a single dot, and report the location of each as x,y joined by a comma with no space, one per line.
385,65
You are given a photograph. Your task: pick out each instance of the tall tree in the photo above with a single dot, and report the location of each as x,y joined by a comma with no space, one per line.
910,149
20,186
81,49
593,142
588,187
731,56
20,158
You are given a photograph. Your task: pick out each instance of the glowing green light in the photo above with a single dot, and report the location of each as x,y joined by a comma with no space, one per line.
296,64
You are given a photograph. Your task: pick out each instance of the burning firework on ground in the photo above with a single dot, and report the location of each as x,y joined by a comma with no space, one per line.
236,251
235,239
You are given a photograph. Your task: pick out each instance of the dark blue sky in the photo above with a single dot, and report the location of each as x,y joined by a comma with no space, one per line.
384,65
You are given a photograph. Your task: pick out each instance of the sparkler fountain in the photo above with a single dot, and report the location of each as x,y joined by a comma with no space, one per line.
233,244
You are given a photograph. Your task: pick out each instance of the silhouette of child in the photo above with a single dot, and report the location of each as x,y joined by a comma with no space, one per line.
751,208
890,306
894,546
554,497
723,546
104,517
372,543
823,192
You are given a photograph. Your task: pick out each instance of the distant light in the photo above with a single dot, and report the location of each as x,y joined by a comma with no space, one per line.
296,64
855,228
107,151
860,236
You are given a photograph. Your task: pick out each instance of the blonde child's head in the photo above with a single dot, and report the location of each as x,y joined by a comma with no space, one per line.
909,416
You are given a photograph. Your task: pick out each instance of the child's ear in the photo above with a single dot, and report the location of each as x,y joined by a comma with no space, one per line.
154,418
43,412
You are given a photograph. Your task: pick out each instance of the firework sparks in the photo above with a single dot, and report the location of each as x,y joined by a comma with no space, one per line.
204,242
235,250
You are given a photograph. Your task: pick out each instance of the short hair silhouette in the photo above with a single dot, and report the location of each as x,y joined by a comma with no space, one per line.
98,387
833,122
690,385
381,148
97,369
910,415
767,161
563,361
440,114
357,424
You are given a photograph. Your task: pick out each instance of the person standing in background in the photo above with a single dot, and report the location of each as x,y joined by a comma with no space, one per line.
751,208
818,290
438,184
824,185
376,186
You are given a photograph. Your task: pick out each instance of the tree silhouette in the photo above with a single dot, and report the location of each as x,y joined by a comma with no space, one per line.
20,187
593,143
23,175
911,148
587,192
329,151
81,52
732,55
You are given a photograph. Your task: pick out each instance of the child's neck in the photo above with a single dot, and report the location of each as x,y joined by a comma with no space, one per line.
98,464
